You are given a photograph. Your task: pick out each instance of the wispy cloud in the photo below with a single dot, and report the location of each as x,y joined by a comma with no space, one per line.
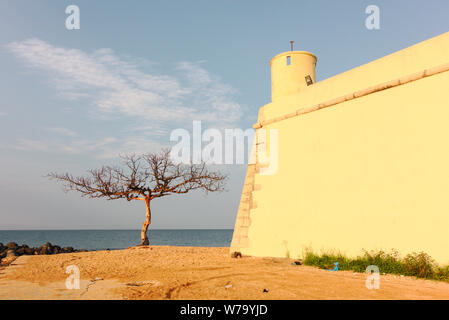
122,87
2,114
62,131
71,146
101,148
115,85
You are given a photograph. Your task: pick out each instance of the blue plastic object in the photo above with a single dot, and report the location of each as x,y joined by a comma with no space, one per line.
336,267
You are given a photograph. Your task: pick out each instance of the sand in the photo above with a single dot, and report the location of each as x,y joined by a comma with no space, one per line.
159,272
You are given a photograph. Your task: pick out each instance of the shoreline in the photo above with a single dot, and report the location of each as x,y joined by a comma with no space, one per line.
11,251
119,239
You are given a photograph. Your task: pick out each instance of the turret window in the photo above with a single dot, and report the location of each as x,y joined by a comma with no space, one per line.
309,80
289,61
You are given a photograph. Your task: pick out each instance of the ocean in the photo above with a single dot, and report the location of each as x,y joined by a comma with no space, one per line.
118,239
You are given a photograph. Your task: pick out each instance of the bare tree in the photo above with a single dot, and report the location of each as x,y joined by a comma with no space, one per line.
144,177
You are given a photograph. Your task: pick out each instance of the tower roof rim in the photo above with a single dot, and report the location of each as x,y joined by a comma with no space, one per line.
286,53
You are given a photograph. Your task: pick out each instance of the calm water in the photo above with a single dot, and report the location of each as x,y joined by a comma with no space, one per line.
117,239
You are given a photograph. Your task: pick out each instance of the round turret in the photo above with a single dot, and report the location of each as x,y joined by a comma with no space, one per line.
291,71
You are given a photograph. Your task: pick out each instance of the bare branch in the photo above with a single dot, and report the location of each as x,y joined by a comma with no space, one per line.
143,177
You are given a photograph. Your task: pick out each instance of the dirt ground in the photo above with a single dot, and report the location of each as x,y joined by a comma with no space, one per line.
159,272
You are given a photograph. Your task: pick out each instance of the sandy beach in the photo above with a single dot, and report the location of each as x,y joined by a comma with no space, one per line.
159,272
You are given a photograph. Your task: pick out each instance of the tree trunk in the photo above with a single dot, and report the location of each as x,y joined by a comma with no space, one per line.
143,234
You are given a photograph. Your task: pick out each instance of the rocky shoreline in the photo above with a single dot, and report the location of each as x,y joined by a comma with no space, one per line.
12,250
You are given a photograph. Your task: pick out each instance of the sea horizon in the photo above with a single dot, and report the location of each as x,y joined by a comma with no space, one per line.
115,239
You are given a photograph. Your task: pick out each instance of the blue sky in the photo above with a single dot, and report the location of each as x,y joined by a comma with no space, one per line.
72,100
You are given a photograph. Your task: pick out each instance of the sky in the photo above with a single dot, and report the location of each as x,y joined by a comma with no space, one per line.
72,100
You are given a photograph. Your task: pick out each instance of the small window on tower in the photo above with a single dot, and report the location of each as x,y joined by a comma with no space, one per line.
309,80
288,60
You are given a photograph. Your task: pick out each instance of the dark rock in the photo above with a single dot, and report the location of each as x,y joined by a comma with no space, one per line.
236,255
11,245
45,248
265,290
12,250
11,253
20,251
45,251
29,250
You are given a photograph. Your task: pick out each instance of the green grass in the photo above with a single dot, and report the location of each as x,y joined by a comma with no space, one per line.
419,265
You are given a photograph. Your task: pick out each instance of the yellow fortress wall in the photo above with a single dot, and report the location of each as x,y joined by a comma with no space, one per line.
363,159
